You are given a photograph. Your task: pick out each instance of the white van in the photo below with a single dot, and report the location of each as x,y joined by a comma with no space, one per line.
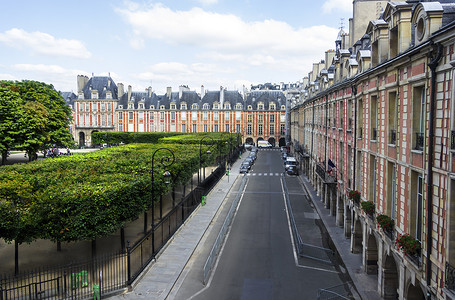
264,144
290,161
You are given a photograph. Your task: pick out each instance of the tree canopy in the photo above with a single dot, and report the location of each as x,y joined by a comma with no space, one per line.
33,115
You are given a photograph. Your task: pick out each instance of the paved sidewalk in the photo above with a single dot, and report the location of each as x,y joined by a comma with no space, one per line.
366,285
158,281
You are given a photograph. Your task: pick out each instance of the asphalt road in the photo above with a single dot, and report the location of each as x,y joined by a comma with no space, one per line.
258,260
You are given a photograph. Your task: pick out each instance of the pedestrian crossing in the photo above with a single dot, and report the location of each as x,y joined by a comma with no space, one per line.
263,174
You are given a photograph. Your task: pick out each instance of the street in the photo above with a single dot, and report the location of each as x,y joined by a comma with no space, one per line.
258,260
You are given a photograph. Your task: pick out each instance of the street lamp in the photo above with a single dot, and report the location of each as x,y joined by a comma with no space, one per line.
200,155
166,161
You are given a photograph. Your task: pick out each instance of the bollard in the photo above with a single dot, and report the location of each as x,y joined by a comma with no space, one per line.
84,279
96,292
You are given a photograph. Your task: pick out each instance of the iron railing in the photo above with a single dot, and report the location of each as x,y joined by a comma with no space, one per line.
419,141
393,137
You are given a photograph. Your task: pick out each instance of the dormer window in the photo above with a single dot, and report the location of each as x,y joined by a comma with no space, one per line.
238,106
194,106
272,106
283,107
261,106
152,106
108,95
227,106
206,106
183,106
173,106
130,106
162,107
120,107
94,95
215,106
250,107
141,105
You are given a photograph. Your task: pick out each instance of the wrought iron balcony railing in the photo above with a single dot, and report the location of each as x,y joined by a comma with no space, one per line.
419,141
393,137
374,134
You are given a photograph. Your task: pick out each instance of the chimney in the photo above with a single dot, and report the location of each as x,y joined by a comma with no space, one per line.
121,91
180,92
81,82
169,92
150,91
221,97
202,91
109,82
129,92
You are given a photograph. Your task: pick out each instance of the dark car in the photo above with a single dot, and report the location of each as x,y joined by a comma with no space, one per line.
292,170
244,167
252,155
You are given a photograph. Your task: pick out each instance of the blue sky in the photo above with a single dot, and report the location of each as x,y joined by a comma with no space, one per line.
214,43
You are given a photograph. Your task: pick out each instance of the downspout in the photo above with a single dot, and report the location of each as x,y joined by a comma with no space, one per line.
354,93
326,132
434,61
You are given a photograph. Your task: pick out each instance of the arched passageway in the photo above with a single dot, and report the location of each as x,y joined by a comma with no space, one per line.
81,139
390,279
357,237
415,293
371,255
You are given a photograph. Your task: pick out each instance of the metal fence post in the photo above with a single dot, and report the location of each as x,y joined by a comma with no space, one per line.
128,261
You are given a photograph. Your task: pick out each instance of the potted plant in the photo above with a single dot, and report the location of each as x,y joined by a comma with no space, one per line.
408,245
354,195
368,207
385,222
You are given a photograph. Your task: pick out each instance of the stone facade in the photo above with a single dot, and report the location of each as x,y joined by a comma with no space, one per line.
385,127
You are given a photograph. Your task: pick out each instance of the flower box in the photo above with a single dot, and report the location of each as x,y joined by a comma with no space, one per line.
408,245
368,207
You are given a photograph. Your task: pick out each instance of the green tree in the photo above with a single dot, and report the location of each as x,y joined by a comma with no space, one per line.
10,116
44,117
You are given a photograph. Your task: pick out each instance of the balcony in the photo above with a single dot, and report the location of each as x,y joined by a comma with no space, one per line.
419,141
393,137
374,134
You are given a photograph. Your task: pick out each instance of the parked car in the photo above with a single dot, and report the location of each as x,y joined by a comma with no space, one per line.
253,156
249,160
290,162
284,155
244,168
292,170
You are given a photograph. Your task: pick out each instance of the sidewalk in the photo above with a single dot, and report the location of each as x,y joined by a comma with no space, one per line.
366,285
159,279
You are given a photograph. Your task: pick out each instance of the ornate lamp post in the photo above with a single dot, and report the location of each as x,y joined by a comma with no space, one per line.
166,161
200,156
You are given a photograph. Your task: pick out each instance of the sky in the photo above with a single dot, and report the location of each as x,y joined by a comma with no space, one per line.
168,43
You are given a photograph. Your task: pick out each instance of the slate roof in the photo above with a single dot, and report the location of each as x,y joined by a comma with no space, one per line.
69,97
266,97
102,84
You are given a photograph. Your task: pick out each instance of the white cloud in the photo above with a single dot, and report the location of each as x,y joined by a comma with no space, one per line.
208,2
337,5
43,43
63,79
226,34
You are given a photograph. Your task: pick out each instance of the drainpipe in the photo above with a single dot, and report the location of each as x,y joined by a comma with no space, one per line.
354,93
434,61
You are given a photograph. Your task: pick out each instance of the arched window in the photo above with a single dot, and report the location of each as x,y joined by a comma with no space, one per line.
206,106
194,106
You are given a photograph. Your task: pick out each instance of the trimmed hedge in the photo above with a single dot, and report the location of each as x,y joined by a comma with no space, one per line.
83,196
130,137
